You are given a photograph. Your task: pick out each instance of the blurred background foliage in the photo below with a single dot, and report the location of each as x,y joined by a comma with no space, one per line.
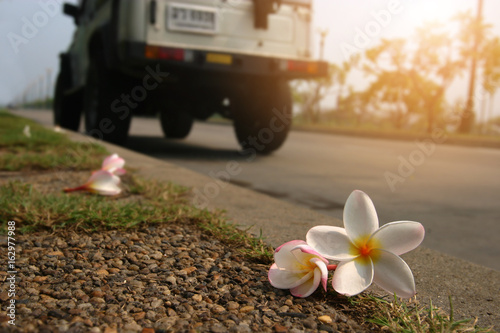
407,81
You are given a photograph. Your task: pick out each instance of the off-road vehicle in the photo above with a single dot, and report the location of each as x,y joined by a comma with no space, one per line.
185,60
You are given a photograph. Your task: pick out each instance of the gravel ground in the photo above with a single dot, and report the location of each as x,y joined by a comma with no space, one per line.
167,278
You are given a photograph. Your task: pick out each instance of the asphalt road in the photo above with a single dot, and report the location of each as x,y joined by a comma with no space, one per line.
453,191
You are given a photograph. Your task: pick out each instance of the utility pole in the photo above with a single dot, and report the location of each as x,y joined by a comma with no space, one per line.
467,119
48,87
41,92
316,99
322,35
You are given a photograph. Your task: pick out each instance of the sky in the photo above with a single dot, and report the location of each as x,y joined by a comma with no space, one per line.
357,23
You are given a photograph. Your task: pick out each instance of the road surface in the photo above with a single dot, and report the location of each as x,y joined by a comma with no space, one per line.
453,191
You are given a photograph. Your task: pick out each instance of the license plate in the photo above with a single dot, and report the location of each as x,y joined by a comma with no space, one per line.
190,18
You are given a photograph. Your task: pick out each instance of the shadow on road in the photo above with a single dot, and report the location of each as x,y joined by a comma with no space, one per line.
167,148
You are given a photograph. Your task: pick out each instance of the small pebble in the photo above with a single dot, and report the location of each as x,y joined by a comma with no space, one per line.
325,319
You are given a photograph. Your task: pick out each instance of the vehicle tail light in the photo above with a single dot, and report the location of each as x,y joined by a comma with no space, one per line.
302,66
166,53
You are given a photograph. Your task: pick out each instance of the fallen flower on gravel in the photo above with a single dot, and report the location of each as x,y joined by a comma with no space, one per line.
58,129
366,252
114,164
26,131
101,182
298,267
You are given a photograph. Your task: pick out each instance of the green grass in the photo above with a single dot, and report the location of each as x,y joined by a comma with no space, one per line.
254,247
143,202
34,210
44,149
412,317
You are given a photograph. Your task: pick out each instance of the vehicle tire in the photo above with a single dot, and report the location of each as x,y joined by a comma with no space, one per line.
176,120
102,90
67,109
262,116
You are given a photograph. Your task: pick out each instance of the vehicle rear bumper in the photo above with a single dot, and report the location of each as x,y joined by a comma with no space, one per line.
189,60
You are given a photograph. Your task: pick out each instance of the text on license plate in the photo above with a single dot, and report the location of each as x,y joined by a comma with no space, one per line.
192,18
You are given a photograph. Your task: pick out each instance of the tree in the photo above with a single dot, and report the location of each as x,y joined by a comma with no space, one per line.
435,66
315,90
413,76
491,72
387,62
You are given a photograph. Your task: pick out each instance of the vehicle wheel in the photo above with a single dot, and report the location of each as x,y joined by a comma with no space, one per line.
262,117
67,109
102,90
176,121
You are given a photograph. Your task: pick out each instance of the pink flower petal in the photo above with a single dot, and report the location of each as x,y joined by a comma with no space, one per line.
114,164
352,277
331,242
304,253
360,216
308,287
290,245
393,274
118,171
400,237
284,258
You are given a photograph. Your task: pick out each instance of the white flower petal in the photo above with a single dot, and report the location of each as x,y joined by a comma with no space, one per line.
400,237
323,271
360,216
103,182
393,274
283,256
284,279
352,277
308,287
331,242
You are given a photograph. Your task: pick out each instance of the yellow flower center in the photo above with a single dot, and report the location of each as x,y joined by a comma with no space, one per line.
365,248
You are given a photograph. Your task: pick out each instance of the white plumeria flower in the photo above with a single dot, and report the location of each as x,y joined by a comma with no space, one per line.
298,267
101,182
366,252
114,164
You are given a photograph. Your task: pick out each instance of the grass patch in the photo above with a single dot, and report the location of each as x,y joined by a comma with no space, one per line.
253,247
412,317
34,210
43,149
142,202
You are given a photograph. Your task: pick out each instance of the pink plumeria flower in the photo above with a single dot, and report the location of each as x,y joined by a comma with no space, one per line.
298,267
114,164
101,182
366,252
